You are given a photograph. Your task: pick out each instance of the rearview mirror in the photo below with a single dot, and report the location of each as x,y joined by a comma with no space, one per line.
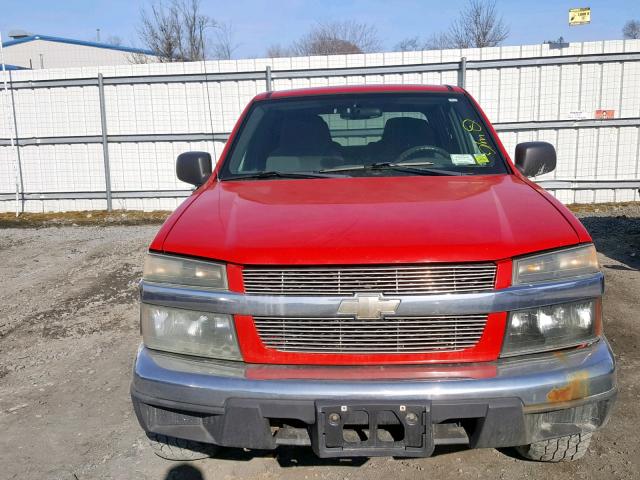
194,167
356,112
535,158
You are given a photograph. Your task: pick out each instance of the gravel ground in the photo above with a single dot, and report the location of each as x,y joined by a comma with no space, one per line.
68,334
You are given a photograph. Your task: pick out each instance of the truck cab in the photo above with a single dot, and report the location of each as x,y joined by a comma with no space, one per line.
366,271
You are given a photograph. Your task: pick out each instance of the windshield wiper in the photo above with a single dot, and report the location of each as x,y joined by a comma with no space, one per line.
414,167
276,174
409,167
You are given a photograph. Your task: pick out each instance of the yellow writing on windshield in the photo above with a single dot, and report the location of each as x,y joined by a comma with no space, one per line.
475,129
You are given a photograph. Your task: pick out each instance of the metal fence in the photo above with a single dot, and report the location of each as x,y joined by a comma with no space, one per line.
97,138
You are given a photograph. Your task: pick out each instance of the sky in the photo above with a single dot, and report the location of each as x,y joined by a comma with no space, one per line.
257,24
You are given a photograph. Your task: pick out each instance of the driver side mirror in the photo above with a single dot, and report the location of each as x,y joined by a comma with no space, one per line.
535,158
194,167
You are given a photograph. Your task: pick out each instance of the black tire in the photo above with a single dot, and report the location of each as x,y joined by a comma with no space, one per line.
563,449
178,449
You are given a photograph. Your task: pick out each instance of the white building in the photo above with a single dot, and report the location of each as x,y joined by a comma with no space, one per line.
44,51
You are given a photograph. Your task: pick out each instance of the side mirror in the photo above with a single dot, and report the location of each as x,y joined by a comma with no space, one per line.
194,167
535,158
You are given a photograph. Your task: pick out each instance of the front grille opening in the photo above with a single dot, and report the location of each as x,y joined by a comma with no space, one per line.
446,333
290,432
418,279
452,432
388,429
390,433
470,426
355,433
162,416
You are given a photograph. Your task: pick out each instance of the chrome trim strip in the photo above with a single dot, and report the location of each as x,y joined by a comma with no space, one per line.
532,378
508,299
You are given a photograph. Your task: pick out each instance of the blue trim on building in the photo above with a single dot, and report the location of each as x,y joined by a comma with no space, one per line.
71,41
12,67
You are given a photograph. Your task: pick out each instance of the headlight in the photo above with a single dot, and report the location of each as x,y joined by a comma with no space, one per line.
565,263
189,332
186,331
552,328
184,271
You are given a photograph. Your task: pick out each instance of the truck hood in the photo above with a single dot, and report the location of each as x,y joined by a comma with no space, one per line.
403,219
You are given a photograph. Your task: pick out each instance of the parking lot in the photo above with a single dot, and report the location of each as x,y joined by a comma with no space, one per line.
69,332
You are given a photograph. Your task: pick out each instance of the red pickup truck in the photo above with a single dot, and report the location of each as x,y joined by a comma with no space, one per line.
365,271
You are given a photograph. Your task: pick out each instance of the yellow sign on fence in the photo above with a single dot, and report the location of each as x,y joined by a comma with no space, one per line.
579,16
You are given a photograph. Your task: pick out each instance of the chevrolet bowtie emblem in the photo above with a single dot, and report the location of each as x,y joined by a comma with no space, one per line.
368,306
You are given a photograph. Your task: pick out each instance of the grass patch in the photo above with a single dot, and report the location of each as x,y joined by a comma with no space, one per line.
92,218
600,207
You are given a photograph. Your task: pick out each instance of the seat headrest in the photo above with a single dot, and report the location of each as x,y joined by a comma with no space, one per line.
407,132
304,135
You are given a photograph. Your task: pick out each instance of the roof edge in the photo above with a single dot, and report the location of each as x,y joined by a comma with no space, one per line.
72,41
346,89
8,67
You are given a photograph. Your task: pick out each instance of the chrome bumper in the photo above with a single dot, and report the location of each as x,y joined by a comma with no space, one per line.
537,380
232,403
541,382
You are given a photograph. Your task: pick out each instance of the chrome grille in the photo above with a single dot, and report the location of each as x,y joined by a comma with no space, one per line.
386,335
407,280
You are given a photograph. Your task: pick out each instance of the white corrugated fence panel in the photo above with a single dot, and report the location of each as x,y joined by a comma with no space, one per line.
509,94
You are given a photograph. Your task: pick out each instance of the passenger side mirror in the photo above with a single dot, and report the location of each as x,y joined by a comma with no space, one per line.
194,167
535,158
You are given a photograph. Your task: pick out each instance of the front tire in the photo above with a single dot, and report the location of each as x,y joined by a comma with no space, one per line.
178,449
563,449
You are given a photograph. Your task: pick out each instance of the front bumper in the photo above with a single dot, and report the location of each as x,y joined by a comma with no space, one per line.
513,401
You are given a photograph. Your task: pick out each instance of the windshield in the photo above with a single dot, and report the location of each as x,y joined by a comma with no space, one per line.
363,135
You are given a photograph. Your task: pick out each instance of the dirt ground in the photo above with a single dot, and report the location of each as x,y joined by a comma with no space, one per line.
69,331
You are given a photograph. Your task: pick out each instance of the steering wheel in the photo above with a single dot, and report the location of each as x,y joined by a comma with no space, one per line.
421,148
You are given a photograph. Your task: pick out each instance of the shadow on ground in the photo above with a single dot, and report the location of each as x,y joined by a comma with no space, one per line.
296,456
184,472
617,237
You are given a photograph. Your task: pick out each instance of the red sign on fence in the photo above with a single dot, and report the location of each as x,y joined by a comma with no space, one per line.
605,114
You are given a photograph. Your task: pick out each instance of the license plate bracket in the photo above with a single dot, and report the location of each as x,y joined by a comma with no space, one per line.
356,428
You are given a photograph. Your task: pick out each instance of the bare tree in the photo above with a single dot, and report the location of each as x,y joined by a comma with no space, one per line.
224,45
477,26
175,32
410,44
139,58
335,38
278,51
439,41
631,29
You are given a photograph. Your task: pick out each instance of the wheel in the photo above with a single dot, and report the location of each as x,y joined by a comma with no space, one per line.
563,449
178,449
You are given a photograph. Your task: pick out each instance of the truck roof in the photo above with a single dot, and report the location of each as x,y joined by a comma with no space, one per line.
333,90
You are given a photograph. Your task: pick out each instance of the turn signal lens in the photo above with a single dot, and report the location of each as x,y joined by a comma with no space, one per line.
184,271
556,265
